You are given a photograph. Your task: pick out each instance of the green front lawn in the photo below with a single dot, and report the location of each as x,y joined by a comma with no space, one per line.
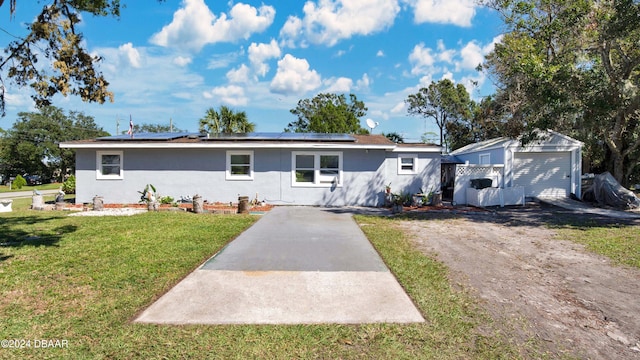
83,279
620,243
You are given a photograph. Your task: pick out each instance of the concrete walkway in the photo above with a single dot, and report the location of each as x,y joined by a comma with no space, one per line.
25,194
296,265
581,207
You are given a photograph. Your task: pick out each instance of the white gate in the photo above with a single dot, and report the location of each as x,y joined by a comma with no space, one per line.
467,172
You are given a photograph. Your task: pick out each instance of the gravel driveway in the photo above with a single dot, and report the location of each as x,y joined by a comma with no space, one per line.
551,294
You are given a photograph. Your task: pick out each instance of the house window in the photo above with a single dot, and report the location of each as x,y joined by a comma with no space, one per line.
407,163
322,169
109,165
484,159
239,165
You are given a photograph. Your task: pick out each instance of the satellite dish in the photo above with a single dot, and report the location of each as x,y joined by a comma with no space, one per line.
372,124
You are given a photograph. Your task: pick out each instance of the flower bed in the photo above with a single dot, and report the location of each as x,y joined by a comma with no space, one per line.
211,207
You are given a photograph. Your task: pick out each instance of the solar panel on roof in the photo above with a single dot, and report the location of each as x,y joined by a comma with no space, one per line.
329,137
148,136
284,136
254,136
291,136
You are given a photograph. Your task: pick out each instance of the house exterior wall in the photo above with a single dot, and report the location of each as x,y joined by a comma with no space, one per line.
426,176
496,156
187,172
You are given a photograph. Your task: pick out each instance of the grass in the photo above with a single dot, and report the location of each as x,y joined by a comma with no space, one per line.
620,243
83,279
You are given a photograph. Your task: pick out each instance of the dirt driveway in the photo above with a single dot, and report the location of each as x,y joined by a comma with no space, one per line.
550,295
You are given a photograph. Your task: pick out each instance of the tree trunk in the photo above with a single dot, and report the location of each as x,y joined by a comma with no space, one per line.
618,168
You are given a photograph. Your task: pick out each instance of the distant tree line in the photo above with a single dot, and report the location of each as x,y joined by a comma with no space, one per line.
30,146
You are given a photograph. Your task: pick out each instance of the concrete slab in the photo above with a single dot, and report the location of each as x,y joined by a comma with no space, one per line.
581,207
300,239
296,265
281,297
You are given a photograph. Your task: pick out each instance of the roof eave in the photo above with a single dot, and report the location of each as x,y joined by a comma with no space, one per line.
218,145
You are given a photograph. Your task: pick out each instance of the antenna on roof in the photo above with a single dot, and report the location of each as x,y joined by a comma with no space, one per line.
372,124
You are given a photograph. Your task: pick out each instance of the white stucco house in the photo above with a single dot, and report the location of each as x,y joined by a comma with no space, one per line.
551,167
278,168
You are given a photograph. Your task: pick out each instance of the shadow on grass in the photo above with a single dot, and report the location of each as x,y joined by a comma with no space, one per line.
529,215
5,257
15,232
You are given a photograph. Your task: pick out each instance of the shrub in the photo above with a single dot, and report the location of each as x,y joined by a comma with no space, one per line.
166,200
148,195
19,182
69,186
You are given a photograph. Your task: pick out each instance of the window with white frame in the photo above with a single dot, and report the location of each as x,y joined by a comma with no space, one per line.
239,165
484,159
322,169
407,163
109,165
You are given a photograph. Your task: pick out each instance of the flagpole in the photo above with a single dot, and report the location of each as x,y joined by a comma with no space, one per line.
130,132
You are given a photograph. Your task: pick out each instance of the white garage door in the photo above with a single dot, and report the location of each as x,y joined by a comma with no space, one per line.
544,174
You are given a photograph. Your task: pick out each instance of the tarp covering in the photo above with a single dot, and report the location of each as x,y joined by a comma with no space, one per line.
607,191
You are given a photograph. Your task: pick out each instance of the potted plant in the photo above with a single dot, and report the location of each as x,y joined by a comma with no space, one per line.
149,197
388,188
397,203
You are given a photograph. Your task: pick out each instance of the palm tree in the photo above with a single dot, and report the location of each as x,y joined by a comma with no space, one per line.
395,137
226,121
210,123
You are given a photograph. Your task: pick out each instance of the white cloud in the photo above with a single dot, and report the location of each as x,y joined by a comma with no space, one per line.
473,83
232,95
421,59
471,55
447,75
380,53
424,81
219,61
330,21
18,98
130,54
444,54
489,47
363,83
240,75
260,53
182,60
290,32
457,12
134,87
399,108
194,25
339,85
294,76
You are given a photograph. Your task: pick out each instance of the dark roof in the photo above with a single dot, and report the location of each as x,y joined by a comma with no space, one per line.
253,136
417,145
450,159
271,138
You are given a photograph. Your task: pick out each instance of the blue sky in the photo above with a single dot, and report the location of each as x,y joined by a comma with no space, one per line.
172,61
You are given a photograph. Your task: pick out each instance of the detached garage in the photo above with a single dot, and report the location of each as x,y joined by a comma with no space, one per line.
548,168
543,174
